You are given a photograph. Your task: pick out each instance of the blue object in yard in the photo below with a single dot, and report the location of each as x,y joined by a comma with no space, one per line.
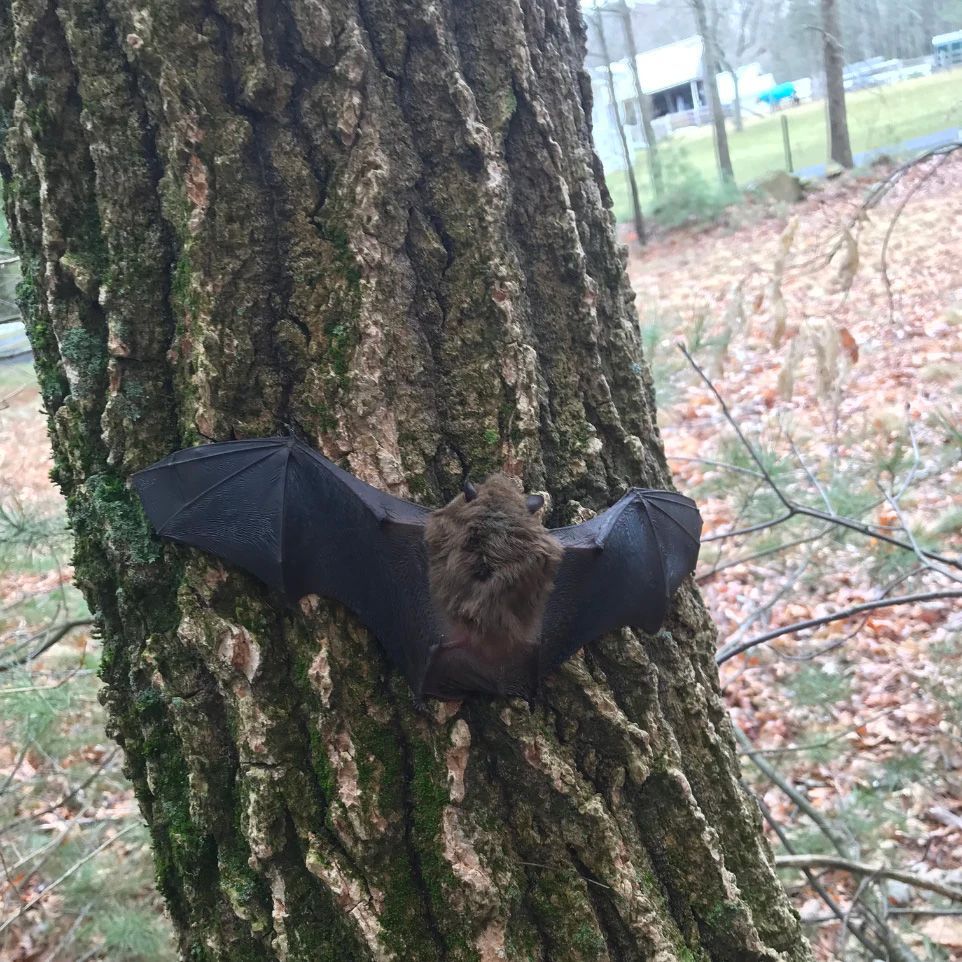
778,93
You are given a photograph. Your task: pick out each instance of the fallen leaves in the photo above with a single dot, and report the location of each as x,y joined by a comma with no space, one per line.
812,356
945,931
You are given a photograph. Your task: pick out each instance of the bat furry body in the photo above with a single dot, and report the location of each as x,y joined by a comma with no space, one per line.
475,596
492,566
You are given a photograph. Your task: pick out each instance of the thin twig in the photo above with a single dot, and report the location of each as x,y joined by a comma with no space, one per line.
50,636
751,529
16,766
764,609
893,501
838,642
924,911
813,880
825,742
70,871
766,552
909,194
792,507
776,778
69,935
816,484
736,468
730,652
63,799
861,868
857,900
584,878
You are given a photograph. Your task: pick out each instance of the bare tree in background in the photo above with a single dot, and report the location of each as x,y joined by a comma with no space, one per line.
644,101
629,161
840,147
740,38
712,66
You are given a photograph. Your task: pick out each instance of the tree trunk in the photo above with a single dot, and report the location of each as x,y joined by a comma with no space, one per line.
629,161
737,103
839,146
383,224
711,62
644,103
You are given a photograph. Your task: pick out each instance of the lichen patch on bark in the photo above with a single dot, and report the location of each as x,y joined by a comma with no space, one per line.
457,759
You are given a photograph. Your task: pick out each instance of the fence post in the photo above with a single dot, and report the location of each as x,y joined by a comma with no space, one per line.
787,143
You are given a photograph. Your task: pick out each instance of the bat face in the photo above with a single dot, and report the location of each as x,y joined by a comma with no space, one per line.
491,566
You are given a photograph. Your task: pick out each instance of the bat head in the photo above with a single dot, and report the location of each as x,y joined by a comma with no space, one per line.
492,563
533,502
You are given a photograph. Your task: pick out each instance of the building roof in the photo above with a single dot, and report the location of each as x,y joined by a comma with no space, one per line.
671,65
944,38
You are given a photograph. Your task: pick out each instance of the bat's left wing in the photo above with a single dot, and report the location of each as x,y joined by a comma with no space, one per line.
302,525
619,569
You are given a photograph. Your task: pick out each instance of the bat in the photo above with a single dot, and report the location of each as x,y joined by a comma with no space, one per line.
477,596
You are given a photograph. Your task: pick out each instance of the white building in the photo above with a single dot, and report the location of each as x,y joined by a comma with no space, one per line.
673,76
947,49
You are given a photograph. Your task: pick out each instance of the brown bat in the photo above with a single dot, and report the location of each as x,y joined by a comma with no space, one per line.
492,565
474,596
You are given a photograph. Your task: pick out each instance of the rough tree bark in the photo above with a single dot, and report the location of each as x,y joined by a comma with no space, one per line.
383,224
839,145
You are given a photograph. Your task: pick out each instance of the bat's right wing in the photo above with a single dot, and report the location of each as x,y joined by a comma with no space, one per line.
620,568
302,525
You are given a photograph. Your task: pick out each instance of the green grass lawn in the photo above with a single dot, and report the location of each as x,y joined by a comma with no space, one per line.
876,117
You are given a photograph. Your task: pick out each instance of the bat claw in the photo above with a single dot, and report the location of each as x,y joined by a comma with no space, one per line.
296,431
420,705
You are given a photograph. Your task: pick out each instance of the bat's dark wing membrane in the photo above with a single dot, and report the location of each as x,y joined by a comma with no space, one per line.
299,523
620,568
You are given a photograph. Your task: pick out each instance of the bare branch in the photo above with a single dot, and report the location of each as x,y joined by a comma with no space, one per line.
48,638
893,501
751,529
737,468
793,507
776,778
747,559
838,642
823,893
861,868
64,798
909,194
728,653
70,871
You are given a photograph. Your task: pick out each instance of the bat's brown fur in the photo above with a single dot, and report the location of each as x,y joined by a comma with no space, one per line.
492,566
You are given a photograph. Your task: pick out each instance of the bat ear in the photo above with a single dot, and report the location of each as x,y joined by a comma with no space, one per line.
470,491
534,502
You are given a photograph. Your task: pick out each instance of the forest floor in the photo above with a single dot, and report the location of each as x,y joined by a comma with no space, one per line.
851,401
849,390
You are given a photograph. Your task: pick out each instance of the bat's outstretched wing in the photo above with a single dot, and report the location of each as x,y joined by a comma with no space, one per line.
299,523
620,568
